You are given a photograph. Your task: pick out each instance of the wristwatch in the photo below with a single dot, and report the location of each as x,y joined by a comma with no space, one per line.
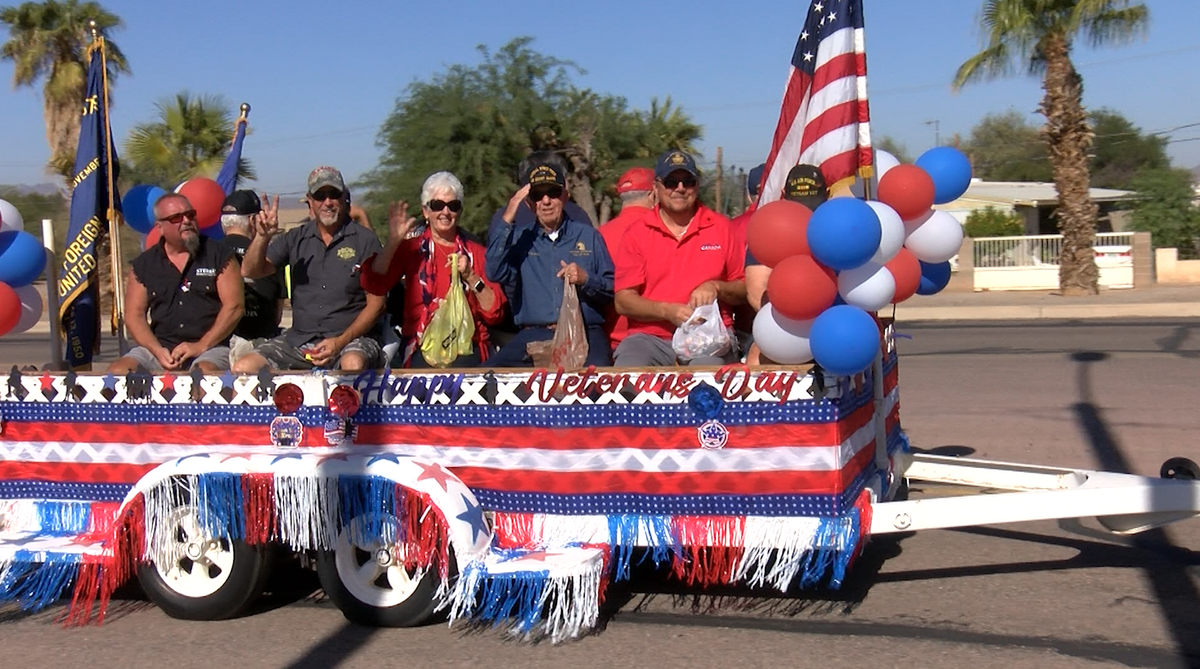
478,285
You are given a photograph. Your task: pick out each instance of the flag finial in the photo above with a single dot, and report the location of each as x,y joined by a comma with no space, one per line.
92,27
245,108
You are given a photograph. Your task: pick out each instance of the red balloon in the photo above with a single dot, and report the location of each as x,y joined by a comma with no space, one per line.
10,309
908,189
152,238
206,198
778,230
801,288
906,269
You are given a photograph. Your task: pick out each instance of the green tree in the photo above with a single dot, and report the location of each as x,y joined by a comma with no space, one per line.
1006,147
1121,151
480,122
1037,36
894,147
190,138
992,222
48,42
1165,207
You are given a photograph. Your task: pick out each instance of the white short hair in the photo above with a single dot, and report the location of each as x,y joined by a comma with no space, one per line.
241,221
440,181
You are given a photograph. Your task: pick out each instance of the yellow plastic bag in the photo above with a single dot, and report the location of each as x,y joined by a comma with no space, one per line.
452,328
569,347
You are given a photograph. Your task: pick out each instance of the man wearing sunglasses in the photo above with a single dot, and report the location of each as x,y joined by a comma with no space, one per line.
191,288
680,256
335,322
531,263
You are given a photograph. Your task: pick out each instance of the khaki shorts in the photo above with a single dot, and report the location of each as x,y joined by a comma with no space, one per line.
218,356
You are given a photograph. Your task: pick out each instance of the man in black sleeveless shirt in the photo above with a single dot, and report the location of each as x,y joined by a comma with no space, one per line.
191,286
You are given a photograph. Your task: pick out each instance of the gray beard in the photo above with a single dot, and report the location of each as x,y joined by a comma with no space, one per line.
191,243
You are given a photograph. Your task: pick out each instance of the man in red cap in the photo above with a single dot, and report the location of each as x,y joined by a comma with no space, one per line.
636,190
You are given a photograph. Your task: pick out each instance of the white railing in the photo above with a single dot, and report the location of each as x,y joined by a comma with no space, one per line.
1043,250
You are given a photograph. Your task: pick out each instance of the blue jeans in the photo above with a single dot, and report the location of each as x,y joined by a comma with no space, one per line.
513,354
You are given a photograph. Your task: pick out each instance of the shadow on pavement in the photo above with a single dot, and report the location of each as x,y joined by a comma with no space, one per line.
1173,587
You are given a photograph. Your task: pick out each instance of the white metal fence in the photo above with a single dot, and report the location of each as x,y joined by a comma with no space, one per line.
1112,248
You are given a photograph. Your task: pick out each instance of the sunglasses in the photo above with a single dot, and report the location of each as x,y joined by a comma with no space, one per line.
176,219
322,195
453,205
554,192
671,183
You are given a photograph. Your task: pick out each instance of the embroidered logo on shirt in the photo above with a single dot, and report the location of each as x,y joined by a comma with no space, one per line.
206,271
345,253
580,250
710,247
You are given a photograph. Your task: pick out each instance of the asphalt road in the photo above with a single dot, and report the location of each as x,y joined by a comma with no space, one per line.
1114,395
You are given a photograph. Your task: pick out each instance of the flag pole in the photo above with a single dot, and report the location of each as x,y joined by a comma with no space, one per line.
114,230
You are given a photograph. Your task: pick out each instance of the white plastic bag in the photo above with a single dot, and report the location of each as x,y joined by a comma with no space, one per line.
704,335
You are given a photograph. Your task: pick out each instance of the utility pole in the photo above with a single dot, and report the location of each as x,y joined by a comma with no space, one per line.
720,174
937,135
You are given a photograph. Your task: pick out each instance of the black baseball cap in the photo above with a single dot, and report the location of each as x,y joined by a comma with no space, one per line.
244,202
806,184
672,161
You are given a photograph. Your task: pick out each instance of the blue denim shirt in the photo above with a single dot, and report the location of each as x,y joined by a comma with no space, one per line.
524,260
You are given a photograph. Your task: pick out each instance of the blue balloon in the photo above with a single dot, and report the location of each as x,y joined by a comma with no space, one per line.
22,258
934,277
950,170
844,233
138,207
844,340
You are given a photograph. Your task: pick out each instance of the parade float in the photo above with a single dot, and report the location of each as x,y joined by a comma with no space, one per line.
502,497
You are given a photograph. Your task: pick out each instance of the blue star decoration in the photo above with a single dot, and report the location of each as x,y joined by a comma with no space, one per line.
110,381
227,379
474,516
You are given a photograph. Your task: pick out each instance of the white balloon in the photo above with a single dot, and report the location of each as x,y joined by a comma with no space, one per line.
935,239
782,339
10,218
893,232
32,306
869,287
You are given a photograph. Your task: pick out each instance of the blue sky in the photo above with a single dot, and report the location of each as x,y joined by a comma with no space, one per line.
321,76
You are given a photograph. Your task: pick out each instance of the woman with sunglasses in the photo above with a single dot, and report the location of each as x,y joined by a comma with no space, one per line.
423,262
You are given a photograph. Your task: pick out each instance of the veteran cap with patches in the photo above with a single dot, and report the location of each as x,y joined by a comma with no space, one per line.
672,161
541,174
806,184
325,176
754,179
244,202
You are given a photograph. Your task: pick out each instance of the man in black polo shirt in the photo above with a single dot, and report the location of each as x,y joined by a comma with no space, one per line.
335,323
263,297
192,289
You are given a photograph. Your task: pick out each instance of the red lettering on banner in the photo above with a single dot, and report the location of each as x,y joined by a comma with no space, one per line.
728,374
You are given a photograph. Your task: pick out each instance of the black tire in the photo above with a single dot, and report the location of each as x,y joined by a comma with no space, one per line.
242,585
1179,468
416,609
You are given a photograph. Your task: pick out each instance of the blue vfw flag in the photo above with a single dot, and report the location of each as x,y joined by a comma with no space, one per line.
227,177
93,202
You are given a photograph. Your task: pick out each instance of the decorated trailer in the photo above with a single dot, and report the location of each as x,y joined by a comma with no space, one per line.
510,498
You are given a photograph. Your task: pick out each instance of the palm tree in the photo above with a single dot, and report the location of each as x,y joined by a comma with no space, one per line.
48,42
1038,36
190,138
668,127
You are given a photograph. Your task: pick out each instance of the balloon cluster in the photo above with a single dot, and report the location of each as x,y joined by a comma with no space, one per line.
22,259
205,195
833,266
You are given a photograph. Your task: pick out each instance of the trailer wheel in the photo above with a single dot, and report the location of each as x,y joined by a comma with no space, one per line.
1180,468
199,577
366,579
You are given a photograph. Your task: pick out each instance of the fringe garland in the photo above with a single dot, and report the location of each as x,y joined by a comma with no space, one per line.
530,603
258,494
515,530
425,534
307,511
38,580
63,519
624,531
711,548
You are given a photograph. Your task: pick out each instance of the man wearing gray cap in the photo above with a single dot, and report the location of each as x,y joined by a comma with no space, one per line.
335,323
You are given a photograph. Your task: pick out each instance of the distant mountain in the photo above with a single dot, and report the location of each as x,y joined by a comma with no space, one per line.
39,189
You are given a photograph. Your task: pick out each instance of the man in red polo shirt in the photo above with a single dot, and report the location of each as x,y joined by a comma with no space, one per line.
679,257
636,190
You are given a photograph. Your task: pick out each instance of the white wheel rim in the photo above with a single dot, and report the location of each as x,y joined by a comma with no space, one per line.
192,563
373,570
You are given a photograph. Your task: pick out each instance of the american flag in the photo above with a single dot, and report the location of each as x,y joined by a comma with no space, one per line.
824,119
